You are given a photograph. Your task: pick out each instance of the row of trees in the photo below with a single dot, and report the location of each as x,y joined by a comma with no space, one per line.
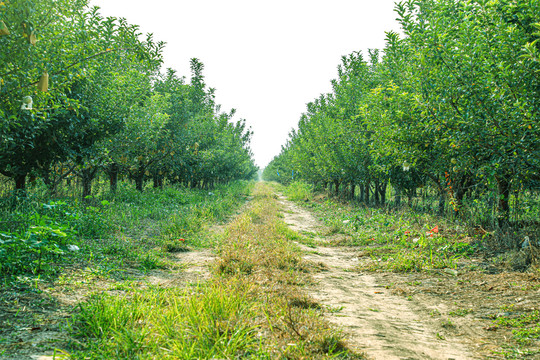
453,104
80,93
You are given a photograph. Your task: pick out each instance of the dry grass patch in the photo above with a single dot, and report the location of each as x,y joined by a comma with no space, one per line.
255,247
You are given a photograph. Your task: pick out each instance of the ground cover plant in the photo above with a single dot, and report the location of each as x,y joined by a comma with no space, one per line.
397,239
40,235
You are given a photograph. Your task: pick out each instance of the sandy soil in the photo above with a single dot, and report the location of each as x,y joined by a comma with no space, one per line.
405,316
195,268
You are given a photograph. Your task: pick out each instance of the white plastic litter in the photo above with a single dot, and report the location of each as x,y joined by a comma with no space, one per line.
73,248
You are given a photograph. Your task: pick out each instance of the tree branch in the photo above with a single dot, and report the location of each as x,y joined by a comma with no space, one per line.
72,65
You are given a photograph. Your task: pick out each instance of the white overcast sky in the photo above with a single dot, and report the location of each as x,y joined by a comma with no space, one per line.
266,59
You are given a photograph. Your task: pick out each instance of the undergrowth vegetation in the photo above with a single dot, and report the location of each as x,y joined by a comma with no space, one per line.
403,240
200,322
41,236
56,253
525,327
299,191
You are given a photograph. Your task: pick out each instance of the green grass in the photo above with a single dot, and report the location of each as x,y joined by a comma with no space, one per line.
120,239
460,312
299,191
207,321
525,325
525,328
258,247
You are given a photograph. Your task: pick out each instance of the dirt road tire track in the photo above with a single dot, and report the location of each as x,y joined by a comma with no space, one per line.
378,323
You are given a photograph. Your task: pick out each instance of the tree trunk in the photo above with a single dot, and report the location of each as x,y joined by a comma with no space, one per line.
459,195
382,192
138,177
336,184
114,169
158,181
410,194
87,177
20,183
491,203
366,193
503,208
49,183
353,187
461,188
442,203
398,196
139,182
376,192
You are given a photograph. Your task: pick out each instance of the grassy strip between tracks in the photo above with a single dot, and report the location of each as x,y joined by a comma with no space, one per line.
253,306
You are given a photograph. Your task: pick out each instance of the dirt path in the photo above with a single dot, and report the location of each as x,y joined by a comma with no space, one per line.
384,315
195,268
377,322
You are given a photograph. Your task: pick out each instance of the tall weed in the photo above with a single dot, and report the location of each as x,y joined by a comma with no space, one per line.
299,191
208,321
